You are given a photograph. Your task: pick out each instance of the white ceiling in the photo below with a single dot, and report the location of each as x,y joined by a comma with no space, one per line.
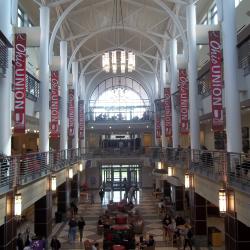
145,26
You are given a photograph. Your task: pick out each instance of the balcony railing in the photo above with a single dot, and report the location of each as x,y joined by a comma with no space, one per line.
119,116
232,168
23,169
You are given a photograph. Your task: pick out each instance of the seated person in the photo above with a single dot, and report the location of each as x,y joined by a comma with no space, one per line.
100,221
95,246
167,220
151,241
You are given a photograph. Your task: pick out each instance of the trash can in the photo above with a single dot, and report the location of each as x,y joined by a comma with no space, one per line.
214,236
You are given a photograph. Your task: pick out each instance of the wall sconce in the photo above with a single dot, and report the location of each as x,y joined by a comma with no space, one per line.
71,173
53,183
187,181
159,165
18,205
80,167
170,171
222,201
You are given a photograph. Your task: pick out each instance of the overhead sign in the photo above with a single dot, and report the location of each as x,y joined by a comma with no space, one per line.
20,83
71,112
54,126
81,119
216,80
183,83
168,112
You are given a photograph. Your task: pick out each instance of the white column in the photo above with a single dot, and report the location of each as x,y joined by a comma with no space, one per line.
174,84
44,80
75,142
64,96
82,97
192,75
5,83
156,97
163,85
232,98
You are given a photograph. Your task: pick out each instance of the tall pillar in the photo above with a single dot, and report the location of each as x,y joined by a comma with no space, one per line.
43,215
44,80
232,97
156,140
198,217
192,74
75,85
163,85
6,82
82,97
236,233
174,88
8,230
64,96
75,188
63,197
179,198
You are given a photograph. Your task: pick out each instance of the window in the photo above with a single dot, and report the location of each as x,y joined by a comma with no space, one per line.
20,18
237,2
214,15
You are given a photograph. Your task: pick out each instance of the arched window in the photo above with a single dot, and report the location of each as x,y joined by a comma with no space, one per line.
119,98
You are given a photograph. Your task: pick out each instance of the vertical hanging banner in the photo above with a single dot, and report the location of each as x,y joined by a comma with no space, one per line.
81,118
216,80
20,83
71,112
158,126
168,112
183,83
54,126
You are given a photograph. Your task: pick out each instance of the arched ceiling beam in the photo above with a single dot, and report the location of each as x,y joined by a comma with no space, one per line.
177,23
107,29
88,87
57,26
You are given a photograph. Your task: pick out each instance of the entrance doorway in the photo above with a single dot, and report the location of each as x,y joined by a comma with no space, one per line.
113,176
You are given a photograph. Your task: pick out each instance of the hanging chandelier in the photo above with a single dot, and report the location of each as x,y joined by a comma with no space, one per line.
118,59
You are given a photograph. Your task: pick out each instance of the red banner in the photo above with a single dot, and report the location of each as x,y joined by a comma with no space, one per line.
183,82
81,119
216,80
168,112
54,127
20,83
158,126
71,112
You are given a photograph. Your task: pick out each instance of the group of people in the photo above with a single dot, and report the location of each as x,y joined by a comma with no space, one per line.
130,191
73,226
178,230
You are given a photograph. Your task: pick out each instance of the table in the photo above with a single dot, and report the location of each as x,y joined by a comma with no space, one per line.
118,247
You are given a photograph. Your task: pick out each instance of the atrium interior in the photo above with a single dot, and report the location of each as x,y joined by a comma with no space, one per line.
124,124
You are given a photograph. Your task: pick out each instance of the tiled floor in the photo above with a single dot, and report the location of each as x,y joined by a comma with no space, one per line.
148,208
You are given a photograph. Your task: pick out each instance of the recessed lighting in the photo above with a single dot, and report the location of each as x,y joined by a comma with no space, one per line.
147,126
92,127
110,127
128,126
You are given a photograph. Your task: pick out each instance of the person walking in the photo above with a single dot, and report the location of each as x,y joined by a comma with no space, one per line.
188,235
81,224
72,230
55,243
101,194
19,242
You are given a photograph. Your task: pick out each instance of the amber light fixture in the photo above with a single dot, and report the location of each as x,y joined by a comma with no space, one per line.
187,181
53,183
170,171
70,173
80,167
18,205
222,201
